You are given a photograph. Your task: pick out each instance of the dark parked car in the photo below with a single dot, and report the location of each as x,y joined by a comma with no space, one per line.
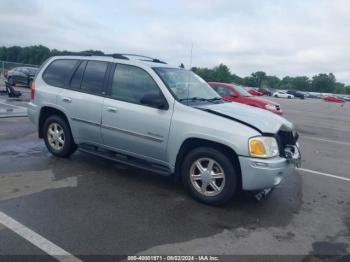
312,95
296,94
21,75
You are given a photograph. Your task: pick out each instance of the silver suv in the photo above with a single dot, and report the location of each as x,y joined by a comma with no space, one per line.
142,112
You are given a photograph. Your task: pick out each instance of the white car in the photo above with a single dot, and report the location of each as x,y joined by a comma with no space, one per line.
282,95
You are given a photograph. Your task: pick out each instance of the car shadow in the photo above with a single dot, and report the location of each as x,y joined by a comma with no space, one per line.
115,209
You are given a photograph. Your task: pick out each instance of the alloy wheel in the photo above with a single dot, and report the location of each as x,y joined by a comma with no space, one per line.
207,176
55,136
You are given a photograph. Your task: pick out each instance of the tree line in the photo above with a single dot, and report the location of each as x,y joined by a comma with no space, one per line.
34,55
324,83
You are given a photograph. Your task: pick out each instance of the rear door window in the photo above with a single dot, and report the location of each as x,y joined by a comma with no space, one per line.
59,72
94,76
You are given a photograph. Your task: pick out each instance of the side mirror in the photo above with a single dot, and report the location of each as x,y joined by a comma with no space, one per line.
234,95
154,100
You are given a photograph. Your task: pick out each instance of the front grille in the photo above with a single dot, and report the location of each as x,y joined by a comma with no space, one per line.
285,138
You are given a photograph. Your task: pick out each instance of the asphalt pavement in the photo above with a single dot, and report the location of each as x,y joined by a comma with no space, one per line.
85,205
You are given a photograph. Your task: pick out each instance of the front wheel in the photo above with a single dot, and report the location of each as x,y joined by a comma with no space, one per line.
209,176
276,95
289,97
58,137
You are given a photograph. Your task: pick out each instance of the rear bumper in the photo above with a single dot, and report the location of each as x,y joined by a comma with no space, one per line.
258,174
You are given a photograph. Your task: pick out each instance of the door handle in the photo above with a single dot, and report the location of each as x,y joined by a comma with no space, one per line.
111,109
67,99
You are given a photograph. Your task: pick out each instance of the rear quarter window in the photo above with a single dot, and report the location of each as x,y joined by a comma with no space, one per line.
58,73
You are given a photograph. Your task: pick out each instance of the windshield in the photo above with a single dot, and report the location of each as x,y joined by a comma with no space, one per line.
31,70
242,91
186,85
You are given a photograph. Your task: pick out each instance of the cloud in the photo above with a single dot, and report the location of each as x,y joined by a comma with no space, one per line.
276,36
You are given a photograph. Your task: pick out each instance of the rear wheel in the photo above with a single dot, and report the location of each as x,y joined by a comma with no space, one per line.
11,82
58,137
209,176
276,95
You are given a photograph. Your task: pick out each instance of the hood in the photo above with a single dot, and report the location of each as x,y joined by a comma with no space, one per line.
258,100
259,119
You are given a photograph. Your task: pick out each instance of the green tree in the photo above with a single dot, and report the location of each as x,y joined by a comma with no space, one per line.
340,88
301,83
259,77
236,79
33,54
286,83
222,73
271,82
205,73
250,81
219,73
324,83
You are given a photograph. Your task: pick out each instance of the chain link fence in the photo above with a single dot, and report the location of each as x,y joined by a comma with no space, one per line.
6,66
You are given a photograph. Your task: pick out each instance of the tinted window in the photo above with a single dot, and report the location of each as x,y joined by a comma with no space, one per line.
78,75
94,77
59,72
131,83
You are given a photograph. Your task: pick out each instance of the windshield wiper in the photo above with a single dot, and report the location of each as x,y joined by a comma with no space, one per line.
192,99
215,99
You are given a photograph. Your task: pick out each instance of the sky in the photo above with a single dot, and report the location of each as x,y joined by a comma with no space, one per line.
280,37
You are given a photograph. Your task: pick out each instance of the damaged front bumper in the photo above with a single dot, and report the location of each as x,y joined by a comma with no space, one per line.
259,174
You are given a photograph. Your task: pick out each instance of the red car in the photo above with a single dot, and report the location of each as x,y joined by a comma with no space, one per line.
255,92
333,99
238,94
265,92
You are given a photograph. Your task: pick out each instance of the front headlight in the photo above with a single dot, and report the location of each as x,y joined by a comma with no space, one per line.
263,147
270,107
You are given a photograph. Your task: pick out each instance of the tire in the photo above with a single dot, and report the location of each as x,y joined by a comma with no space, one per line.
8,91
276,95
226,183
289,97
11,82
58,137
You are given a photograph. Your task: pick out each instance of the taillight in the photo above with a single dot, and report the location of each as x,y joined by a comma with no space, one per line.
32,90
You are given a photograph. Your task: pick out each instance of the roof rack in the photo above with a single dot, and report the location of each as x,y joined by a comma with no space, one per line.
117,56
77,54
146,58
